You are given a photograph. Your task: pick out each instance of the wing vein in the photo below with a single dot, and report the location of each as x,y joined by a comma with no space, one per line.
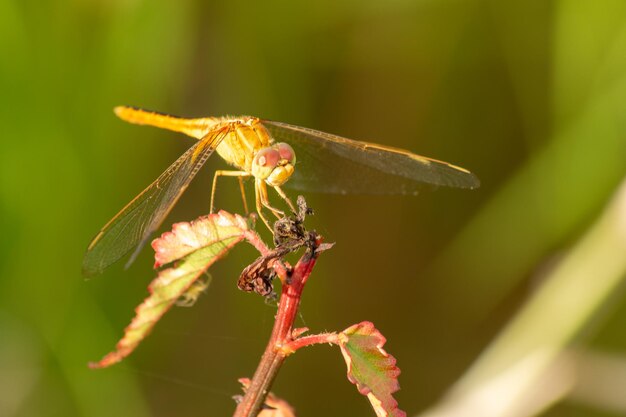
135,223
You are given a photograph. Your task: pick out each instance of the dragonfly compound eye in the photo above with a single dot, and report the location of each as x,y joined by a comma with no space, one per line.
286,152
267,158
264,162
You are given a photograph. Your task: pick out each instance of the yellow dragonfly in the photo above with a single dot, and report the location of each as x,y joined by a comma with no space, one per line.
265,150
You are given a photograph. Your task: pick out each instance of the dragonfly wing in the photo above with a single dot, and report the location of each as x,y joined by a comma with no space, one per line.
133,225
330,163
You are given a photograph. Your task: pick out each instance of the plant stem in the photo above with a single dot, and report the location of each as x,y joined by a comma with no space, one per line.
315,339
274,355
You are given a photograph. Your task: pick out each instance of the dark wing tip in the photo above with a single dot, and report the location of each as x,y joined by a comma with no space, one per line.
454,176
472,181
90,268
89,271
94,263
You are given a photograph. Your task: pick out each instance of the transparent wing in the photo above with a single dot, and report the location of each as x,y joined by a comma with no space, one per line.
330,163
133,225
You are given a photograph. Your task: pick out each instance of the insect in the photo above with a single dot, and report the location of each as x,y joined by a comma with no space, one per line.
266,151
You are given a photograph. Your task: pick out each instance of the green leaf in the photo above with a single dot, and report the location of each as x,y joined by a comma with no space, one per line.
196,246
371,368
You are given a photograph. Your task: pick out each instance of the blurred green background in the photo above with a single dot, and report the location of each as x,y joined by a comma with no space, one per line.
528,94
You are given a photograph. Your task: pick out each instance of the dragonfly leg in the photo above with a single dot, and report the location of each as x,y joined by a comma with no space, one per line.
243,195
266,202
259,204
282,194
222,173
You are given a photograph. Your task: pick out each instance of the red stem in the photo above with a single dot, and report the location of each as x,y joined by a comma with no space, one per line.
314,339
274,354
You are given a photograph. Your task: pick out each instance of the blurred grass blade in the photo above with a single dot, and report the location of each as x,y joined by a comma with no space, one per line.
563,184
600,381
507,375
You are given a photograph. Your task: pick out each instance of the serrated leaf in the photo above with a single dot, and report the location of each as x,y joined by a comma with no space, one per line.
186,237
371,368
196,246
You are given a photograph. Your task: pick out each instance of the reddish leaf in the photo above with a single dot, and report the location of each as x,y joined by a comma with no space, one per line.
186,237
371,368
196,246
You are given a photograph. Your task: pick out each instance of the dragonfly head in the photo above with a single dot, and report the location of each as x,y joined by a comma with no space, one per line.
274,164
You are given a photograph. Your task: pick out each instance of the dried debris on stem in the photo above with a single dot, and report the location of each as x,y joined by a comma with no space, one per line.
289,236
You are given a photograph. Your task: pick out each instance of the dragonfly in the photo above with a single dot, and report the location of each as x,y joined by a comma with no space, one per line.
265,151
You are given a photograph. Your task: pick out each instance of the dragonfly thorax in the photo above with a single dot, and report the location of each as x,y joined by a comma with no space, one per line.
245,137
274,164
248,146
